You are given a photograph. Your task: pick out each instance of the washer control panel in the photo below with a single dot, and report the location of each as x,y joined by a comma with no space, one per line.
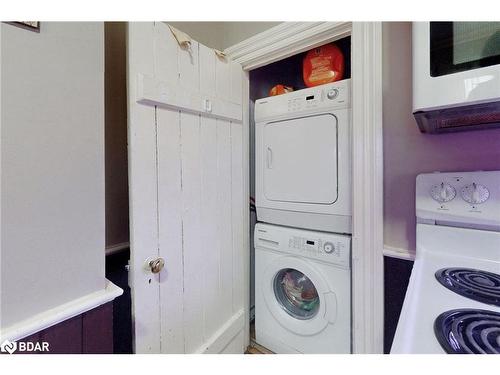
462,197
315,245
327,247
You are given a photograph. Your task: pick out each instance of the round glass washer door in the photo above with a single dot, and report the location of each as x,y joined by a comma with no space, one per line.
296,294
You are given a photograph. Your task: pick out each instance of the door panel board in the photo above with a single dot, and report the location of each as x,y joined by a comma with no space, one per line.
170,230
143,194
222,78
207,70
166,52
193,253
237,196
189,71
212,286
224,215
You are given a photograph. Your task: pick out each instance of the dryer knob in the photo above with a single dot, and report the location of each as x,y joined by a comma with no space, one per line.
332,94
328,247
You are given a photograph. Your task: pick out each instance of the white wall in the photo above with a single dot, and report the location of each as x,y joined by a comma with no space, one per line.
52,165
407,152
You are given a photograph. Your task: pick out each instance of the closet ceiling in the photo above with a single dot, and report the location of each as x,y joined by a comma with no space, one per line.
221,35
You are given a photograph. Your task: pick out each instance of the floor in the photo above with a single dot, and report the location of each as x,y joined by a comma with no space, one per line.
255,348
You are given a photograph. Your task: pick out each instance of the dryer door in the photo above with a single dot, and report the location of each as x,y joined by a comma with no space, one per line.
298,296
300,160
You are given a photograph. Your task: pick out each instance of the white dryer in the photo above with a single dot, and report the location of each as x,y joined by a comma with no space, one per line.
303,158
303,290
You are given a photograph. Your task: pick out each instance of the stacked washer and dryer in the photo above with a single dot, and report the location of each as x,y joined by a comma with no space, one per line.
303,238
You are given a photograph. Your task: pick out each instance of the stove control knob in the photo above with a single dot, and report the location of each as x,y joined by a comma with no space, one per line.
475,193
443,192
328,247
332,94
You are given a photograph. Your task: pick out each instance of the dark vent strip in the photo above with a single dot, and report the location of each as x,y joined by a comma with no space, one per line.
468,331
475,284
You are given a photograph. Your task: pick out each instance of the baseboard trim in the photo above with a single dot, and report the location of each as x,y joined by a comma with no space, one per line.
60,313
399,253
117,248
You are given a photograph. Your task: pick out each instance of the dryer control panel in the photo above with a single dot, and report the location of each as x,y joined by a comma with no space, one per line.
332,95
327,247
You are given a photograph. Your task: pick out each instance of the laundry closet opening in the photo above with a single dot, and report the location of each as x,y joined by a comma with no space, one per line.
300,196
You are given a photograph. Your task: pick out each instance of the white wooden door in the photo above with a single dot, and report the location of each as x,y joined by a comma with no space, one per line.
187,195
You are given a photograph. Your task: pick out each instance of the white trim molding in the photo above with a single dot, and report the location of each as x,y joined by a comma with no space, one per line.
60,313
116,248
285,40
399,253
246,193
367,267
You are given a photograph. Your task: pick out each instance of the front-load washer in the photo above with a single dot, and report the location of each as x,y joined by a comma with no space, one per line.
303,290
303,158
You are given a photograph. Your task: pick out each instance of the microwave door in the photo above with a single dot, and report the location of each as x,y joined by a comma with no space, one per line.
462,46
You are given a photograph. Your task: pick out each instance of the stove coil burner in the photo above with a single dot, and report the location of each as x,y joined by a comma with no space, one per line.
478,285
469,331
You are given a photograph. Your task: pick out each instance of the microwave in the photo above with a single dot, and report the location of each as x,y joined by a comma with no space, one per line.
456,75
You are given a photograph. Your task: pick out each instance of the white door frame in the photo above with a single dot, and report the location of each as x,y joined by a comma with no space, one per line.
288,39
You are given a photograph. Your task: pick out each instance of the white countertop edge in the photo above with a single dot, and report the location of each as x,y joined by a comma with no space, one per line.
395,252
60,313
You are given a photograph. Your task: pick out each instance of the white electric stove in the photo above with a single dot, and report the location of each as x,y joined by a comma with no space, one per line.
452,304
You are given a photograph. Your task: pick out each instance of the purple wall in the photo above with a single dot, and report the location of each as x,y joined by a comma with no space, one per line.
407,152
87,333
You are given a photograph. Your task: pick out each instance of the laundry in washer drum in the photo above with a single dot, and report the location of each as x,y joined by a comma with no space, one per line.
296,293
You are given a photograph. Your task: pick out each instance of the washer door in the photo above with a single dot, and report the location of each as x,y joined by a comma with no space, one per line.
298,297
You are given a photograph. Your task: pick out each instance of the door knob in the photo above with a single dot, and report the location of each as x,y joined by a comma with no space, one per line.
156,265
